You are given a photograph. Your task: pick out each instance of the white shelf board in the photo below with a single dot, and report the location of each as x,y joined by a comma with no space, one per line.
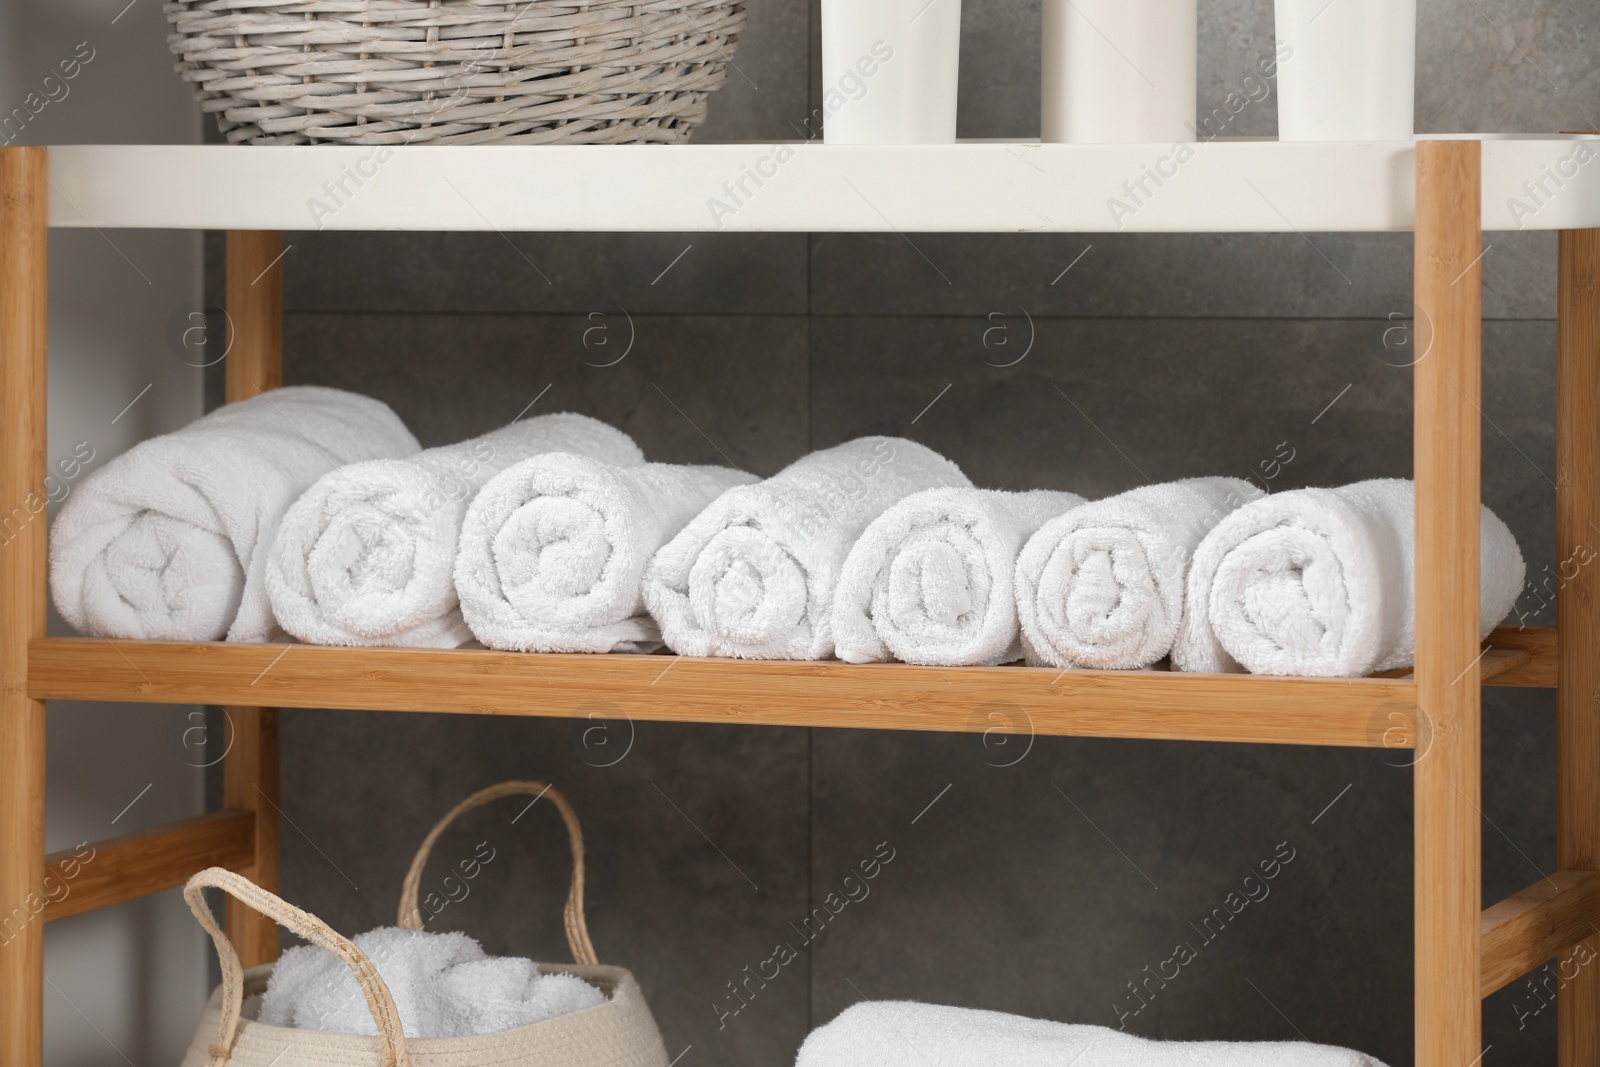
1218,187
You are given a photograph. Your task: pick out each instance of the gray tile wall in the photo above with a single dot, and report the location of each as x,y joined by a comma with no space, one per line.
1042,879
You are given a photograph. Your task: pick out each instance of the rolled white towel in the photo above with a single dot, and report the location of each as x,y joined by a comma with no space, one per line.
1102,586
908,1034
754,574
930,581
168,542
553,550
1319,582
367,556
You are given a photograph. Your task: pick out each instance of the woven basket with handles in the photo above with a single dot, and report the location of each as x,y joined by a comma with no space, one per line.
394,72
619,1033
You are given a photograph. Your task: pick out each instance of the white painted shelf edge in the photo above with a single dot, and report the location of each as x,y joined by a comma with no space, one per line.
1530,182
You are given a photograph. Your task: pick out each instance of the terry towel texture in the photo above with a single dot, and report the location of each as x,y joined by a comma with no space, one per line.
907,1034
367,556
1103,585
754,574
553,551
930,581
168,542
443,986
1319,582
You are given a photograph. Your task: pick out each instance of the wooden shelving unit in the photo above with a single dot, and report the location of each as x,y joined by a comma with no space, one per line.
1447,190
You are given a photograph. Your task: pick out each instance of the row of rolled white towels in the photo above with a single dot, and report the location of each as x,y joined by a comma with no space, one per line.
315,510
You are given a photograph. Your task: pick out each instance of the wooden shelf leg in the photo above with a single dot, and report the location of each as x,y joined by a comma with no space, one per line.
1448,780
1578,613
250,771
250,783
24,202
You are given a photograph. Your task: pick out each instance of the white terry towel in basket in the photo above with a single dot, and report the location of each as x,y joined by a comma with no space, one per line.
553,551
908,1034
443,984
169,540
1102,586
367,556
754,574
930,581
1319,582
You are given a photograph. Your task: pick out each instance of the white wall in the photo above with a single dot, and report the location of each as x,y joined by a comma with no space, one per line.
127,982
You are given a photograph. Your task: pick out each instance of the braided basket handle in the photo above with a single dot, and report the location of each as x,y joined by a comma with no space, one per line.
577,928
390,1033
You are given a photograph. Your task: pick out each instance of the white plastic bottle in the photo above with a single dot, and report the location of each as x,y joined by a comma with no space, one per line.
889,71
1119,71
1347,70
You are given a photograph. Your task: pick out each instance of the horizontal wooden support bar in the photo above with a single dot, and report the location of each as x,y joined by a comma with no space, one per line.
1550,916
1538,671
1358,712
1495,664
1512,657
135,865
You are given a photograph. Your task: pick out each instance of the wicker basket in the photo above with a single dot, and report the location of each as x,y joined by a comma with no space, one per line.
394,72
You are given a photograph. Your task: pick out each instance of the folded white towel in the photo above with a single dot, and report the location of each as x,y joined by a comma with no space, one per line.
169,540
1102,586
442,983
930,581
1319,582
553,550
367,556
908,1034
754,574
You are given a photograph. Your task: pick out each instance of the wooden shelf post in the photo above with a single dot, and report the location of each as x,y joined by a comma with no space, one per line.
250,770
1448,784
1578,612
24,203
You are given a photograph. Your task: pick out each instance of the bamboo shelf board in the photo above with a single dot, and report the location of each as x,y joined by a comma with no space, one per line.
1541,182
1361,712
1152,704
